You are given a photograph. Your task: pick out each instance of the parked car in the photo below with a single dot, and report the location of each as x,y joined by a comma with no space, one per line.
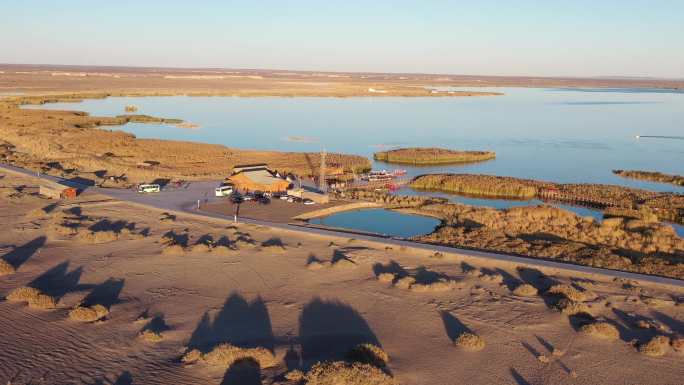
308,201
149,188
264,200
285,197
248,196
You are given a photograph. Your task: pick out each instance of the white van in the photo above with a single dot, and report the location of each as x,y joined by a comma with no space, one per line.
149,188
223,191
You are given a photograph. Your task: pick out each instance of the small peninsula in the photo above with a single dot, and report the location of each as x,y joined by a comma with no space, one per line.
651,176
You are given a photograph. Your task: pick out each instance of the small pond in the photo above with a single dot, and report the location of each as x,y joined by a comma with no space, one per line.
380,221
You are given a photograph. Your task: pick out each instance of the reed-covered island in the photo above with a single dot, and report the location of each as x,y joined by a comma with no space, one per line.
639,203
431,156
652,176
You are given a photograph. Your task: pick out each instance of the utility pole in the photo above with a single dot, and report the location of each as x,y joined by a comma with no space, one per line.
321,182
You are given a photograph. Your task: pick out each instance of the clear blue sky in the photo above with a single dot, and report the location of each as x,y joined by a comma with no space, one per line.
545,37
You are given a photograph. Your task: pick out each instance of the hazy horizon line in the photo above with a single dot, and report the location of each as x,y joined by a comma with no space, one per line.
207,68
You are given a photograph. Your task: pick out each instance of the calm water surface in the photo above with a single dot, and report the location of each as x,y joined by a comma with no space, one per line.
561,135
381,221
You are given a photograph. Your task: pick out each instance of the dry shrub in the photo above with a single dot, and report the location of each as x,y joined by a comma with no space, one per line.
33,297
369,354
568,292
226,354
23,294
493,278
98,236
295,376
43,301
569,307
174,249
656,347
193,355
200,248
88,313
601,329
343,373
525,290
677,343
405,283
440,285
222,249
274,248
470,341
344,263
151,336
386,277
315,265
6,268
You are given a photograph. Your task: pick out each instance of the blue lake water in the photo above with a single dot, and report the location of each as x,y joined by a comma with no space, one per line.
380,221
561,135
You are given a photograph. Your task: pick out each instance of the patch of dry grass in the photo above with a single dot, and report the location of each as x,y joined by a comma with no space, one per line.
343,373
470,341
601,329
525,290
97,236
437,286
226,354
369,354
88,313
33,297
386,277
173,249
656,346
570,307
569,292
295,376
493,278
343,263
200,248
151,336
6,268
677,343
405,282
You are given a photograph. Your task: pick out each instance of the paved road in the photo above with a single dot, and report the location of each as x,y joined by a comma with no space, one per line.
185,200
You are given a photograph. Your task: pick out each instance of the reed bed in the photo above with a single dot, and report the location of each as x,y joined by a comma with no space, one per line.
478,185
430,156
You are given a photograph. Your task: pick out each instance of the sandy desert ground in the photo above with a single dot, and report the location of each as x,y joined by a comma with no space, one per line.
161,288
20,78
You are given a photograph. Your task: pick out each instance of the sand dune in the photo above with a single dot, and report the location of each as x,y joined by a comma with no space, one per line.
262,302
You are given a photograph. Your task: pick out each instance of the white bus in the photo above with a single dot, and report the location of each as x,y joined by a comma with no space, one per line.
149,188
223,190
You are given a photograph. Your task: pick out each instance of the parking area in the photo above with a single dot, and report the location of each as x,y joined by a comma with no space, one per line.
276,211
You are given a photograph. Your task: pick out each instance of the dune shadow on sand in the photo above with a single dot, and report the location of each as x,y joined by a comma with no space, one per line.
518,378
453,326
59,281
21,254
240,323
330,329
105,294
243,372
